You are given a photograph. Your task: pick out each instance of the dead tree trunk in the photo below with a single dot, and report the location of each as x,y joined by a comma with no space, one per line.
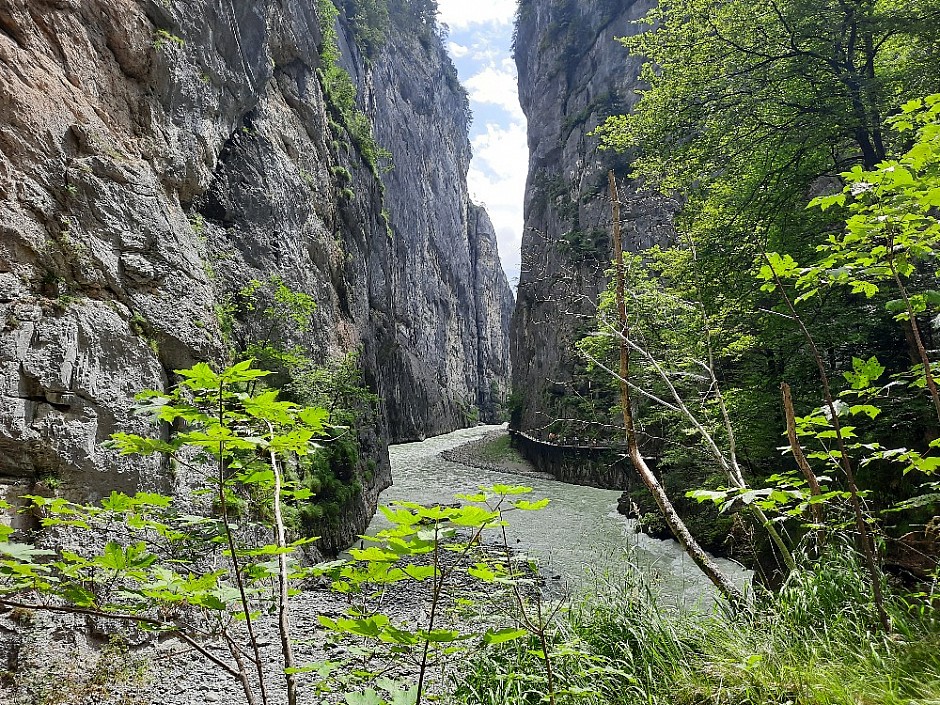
672,518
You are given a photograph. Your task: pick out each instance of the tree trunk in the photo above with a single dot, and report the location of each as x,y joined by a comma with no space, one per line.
672,518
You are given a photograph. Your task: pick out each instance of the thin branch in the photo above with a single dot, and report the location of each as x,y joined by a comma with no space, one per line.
283,587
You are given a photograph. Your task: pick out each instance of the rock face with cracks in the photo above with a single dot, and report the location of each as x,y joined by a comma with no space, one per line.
572,75
157,155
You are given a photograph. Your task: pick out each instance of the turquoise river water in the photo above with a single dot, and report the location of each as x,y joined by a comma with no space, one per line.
578,537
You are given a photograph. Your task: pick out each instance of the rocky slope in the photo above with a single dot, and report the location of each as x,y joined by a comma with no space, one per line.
572,75
157,155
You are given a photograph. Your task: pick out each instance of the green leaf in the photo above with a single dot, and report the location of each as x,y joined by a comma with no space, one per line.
314,418
400,516
506,490
78,596
393,635
242,372
708,496
373,553
481,497
368,627
500,636
784,266
442,636
928,466
400,693
528,506
368,697
484,572
871,411
827,202
473,516
23,551
420,572
266,406
200,376
924,500
209,601
258,477
130,444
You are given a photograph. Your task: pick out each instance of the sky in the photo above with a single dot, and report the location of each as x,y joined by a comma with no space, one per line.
480,45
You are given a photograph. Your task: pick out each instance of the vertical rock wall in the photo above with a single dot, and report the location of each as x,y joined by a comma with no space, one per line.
449,303
155,156
572,75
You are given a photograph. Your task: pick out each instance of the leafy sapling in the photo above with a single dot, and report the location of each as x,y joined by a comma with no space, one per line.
435,547
163,569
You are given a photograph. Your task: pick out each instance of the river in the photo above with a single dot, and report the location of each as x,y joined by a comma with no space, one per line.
578,537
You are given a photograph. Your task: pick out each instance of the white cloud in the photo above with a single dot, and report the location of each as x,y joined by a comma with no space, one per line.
460,14
496,84
458,51
497,180
480,41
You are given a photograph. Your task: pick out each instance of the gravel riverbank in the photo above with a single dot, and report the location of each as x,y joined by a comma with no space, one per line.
493,452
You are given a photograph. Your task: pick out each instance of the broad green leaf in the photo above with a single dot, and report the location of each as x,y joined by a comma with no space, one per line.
500,636
420,572
373,553
472,515
442,636
871,411
506,490
393,635
78,595
528,506
368,697
267,407
484,572
23,551
399,516
481,497
707,496
258,477
827,202
314,418
242,372
200,376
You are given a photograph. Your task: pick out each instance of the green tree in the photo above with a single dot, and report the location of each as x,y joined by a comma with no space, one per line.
751,106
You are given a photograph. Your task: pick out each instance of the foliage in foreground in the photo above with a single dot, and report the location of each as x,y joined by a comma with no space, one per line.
815,641
481,633
214,568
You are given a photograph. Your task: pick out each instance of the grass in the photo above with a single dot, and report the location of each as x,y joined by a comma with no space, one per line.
499,448
814,642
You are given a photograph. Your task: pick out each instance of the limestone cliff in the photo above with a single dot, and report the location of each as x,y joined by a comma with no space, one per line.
572,75
157,155
450,304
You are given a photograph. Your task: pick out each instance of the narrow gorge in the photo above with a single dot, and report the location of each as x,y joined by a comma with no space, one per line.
159,157
396,352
